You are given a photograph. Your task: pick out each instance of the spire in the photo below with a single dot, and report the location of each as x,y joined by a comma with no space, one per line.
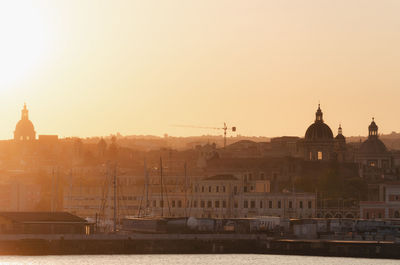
24,113
318,114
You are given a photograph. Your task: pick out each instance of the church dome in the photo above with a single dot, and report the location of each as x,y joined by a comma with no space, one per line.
373,145
24,126
340,136
319,130
24,130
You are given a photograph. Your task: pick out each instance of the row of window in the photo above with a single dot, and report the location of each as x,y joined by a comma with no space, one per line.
218,189
246,204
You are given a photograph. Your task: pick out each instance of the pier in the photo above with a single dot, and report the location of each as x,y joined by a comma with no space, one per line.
191,244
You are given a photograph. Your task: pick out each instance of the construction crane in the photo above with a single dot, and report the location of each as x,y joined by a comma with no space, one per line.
225,128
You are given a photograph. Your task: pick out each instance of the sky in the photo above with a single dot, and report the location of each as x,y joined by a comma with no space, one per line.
94,68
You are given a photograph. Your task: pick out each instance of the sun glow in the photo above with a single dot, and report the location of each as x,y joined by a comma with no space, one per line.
23,42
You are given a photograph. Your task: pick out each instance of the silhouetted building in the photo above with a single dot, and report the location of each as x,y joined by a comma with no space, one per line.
24,131
318,141
373,157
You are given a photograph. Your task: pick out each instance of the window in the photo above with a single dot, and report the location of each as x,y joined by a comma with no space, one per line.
209,204
161,204
245,189
173,204
235,190
195,204
245,204
217,189
279,204
154,203
236,205
290,204
209,188
301,204
309,204
202,204
202,188
253,204
223,188
179,204
261,204
216,203
270,204
223,204
319,155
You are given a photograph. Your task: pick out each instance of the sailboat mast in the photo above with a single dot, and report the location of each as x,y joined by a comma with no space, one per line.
115,197
161,188
186,185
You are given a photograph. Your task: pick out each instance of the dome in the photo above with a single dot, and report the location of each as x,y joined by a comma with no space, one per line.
372,146
340,137
24,126
24,130
319,131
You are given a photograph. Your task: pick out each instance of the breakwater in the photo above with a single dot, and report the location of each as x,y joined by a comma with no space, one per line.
191,244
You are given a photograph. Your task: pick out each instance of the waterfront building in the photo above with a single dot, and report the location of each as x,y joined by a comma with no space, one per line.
386,205
42,223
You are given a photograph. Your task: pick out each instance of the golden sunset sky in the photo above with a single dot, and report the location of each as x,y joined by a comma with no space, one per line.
91,68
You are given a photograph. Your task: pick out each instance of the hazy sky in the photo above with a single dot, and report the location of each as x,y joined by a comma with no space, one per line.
136,67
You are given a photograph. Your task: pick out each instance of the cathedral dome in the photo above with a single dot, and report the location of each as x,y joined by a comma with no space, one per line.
319,130
373,145
24,126
24,130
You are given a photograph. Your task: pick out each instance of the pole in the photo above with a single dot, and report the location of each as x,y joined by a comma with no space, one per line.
115,197
161,188
186,184
146,175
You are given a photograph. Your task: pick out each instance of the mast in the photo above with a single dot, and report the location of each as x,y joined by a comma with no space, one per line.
186,184
146,175
115,196
161,188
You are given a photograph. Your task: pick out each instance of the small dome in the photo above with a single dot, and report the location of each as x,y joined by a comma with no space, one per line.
340,137
319,131
372,146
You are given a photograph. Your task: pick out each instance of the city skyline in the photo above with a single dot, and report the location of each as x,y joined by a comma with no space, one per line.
138,68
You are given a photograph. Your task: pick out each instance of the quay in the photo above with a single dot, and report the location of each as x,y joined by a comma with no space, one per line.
191,244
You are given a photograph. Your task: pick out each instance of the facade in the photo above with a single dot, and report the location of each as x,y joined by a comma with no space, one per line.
387,205
228,196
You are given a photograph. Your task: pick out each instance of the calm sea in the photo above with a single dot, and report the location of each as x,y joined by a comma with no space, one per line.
190,260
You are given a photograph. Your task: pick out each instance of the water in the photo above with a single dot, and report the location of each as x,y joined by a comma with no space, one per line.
189,260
